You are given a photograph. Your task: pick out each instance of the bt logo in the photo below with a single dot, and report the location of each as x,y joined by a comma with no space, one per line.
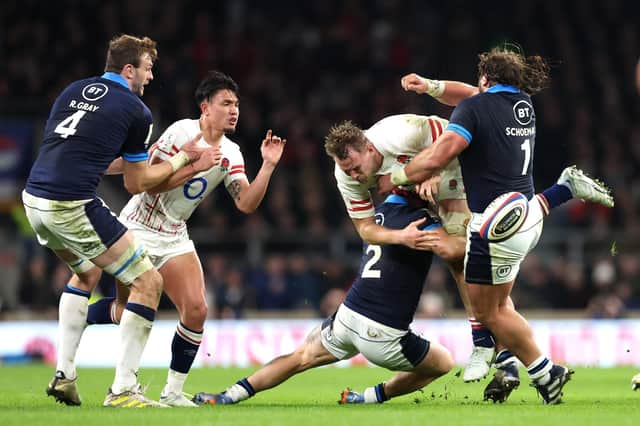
523,112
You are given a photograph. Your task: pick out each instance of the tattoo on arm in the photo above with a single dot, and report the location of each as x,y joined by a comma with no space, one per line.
234,190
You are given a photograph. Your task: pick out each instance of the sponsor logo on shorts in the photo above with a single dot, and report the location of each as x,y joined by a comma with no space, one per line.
503,271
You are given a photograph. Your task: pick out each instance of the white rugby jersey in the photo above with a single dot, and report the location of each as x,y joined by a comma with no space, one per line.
398,138
167,212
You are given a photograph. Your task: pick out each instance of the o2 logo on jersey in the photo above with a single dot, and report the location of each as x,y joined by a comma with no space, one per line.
194,188
94,91
523,112
379,218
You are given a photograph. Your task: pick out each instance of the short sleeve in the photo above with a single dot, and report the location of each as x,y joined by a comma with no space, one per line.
137,143
169,143
235,166
356,197
464,119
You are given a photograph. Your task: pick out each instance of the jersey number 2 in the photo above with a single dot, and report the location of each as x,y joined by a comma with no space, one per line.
368,271
67,127
526,147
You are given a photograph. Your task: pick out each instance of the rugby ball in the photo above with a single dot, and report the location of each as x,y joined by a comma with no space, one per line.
504,216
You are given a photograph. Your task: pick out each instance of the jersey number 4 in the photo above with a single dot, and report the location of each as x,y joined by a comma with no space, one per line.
67,127
368,271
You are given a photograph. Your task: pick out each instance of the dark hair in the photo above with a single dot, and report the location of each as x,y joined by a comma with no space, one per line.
342,137
126,49
212,84
503,66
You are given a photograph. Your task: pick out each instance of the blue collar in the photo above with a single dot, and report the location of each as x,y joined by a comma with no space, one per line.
117,78
396,199
502,88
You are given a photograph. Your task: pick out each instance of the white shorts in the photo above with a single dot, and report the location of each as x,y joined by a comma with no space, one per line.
160,246
87,228
486,262
348,333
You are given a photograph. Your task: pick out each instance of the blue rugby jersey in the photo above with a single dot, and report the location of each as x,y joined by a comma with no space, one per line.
92,122
391,277
500,127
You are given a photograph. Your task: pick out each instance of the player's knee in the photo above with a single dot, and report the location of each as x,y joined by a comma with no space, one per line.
440,360
194,315
87,280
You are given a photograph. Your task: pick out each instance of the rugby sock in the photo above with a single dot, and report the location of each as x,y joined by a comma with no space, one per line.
135,327
240,391
183,351
481,334
103,311
72,319
504,357
375,394
555,195
539,370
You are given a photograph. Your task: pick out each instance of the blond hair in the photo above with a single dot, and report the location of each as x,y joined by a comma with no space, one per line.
126,49
342,137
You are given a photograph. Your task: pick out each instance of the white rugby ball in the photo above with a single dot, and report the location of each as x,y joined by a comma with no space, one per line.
504,216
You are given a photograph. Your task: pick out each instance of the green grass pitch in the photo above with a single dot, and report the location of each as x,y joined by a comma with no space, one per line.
598,397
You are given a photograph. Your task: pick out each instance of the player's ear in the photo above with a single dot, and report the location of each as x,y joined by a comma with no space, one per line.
204,108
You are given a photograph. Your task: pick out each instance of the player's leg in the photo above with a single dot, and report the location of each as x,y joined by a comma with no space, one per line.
455,216
128,262
72,317
437,363
311,354
479,363
108,310
184,285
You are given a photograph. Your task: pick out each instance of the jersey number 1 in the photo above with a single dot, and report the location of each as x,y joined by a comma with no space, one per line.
67,127
526,147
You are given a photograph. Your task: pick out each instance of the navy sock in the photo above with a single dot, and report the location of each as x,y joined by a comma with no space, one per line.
184,348
71,289
503,356
142,310
247,386
557,194
381,396
100,311
482,336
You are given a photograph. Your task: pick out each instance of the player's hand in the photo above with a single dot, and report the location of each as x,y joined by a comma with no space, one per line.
208,158
272,148
413,237
384,185
428,189
192,149
414,83
448,247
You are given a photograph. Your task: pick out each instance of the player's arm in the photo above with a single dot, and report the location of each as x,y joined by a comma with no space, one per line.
140,176
372,233
444,91
209,158
116,167
431,160
248,196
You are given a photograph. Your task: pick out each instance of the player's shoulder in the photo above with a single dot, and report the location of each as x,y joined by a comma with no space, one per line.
229,145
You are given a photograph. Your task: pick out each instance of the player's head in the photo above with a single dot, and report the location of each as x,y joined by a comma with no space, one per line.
217,98
502,66
347,144
132,58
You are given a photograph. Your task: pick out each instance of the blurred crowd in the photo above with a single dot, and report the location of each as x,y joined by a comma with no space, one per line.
303,66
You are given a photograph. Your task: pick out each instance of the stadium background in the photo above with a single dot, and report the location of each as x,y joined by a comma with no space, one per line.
301,67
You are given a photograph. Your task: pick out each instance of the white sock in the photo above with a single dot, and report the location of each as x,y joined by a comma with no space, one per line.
543,365
134,333
72,313
370,395
175,382
237,393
